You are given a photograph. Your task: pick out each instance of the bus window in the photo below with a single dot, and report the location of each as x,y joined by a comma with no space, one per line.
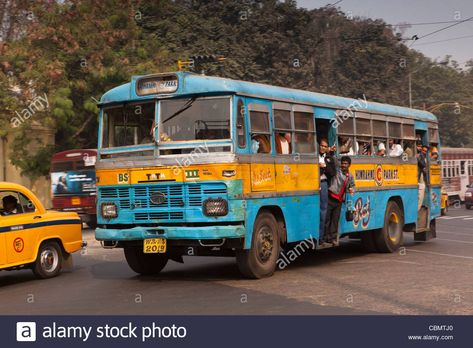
408,136
241,127
283,131
128,125
195,119
346,139
304,138
380,147
363,136
395,147
379,129
365,146
434,153
433,135
260,134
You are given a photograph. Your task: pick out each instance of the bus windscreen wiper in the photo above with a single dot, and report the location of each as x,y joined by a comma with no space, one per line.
186,106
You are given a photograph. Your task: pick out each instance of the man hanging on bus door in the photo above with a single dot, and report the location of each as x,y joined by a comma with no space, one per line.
327,171
340,183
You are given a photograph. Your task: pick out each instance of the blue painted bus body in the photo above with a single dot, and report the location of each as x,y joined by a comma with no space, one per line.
301,213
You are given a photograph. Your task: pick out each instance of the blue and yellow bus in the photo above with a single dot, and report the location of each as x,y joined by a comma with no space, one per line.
197,165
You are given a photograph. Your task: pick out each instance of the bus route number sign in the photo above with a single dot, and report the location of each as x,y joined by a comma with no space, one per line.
154,246
157,84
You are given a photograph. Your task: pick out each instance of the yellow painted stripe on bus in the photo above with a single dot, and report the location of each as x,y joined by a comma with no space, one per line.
262,177
435,174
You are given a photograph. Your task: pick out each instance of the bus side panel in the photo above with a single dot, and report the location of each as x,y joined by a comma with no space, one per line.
301,214
435,201
370,206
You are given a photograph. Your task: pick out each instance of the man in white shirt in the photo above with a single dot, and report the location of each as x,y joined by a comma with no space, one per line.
395,150
10,205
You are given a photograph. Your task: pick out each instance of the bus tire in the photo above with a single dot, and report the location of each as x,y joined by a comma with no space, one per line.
260,260
390,237
145,264
48,262
368,241
92,224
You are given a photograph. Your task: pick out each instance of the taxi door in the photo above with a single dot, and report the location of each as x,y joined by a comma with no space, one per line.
3,254
20,230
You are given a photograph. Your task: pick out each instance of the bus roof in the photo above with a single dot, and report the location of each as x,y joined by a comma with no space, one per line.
73,154
190,83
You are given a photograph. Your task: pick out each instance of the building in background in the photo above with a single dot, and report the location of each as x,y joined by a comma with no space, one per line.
41,186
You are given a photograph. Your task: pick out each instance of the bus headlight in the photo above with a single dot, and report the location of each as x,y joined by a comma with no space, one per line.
109,210
215,207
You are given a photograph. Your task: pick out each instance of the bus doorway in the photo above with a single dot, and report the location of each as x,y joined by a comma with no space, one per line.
424,229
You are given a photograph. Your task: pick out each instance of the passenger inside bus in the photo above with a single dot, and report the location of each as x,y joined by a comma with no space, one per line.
380,149
364,147
395,148
283,143
348,146
408,148
260,144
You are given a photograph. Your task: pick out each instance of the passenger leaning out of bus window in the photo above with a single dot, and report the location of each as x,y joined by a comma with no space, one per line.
327,165
340,183
395,149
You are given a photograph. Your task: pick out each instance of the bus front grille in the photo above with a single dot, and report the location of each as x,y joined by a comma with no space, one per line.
175,199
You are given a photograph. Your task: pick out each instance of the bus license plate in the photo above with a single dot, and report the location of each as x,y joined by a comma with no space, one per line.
75,200
154,245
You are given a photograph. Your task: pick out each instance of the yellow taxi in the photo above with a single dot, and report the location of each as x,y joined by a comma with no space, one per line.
444,202
33,237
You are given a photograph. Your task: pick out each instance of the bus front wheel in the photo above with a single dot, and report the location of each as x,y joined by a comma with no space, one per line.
260,260
142,263
390,237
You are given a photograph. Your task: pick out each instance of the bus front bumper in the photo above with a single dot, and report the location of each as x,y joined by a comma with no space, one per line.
170,232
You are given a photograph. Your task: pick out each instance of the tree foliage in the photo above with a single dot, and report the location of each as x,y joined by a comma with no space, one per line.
75,50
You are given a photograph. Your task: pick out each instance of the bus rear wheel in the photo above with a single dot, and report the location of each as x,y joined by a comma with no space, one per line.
390,237
145,264
260,260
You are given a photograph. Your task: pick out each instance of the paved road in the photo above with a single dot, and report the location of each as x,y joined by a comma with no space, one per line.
432,277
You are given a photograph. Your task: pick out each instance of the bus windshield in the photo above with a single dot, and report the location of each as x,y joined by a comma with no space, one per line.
195,119
128,125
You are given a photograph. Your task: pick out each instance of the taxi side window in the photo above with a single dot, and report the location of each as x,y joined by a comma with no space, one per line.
26,204
12,203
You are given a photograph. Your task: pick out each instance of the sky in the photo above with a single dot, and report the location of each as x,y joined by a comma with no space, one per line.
456,41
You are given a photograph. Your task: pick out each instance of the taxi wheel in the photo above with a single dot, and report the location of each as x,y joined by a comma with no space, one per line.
49,260
390,237
260,260
142,263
